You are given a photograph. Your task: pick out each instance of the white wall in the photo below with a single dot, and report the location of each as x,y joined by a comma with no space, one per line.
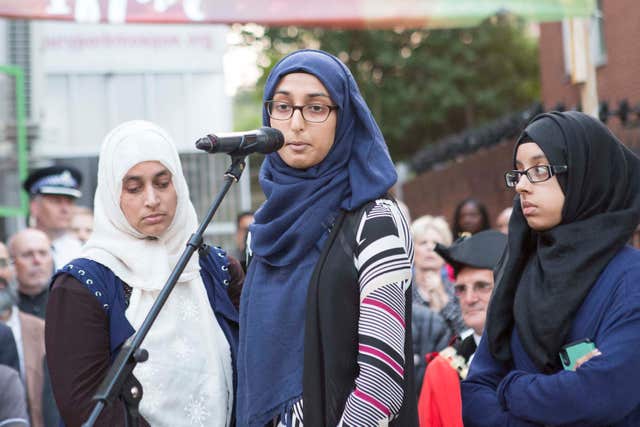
3,41
92,77
97,76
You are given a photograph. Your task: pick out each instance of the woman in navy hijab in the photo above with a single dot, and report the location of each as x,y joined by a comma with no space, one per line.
325,309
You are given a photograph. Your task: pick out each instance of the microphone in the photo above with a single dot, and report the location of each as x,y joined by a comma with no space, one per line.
264,140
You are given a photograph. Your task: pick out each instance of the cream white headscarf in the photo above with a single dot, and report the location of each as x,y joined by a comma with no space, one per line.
139,261
187,379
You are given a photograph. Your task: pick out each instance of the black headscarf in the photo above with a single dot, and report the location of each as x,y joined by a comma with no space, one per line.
543,277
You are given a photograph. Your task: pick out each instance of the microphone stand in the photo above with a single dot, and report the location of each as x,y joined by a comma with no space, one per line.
119,380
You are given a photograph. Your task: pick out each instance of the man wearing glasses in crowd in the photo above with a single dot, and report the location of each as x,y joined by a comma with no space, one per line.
27,329
473,259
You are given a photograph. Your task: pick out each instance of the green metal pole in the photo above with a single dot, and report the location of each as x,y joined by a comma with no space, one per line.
21,146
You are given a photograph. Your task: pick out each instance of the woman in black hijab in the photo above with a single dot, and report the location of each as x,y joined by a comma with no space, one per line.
566,275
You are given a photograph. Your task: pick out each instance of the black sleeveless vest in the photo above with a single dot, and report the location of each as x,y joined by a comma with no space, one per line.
331,333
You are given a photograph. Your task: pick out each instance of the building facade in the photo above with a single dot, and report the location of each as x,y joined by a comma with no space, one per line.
84,79
612,39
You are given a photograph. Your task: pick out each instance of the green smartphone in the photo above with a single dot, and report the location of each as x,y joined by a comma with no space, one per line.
571,352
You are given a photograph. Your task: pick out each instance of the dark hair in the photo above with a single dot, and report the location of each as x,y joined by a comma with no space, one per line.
242,215
455,224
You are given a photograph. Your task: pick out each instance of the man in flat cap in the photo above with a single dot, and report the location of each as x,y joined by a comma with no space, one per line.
53,191
473,259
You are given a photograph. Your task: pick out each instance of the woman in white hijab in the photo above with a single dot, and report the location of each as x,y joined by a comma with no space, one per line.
143,219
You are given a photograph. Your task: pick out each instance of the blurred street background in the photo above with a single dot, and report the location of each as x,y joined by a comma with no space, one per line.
451,84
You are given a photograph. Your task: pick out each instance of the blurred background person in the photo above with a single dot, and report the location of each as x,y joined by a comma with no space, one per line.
13,409
432,287
405,211
470,216
6,270
243,221
473,259
430,333
28,332
502,220
30,250
635,238
82,223
53,191
8,348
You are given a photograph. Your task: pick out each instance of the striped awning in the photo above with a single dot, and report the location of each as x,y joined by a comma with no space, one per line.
325,13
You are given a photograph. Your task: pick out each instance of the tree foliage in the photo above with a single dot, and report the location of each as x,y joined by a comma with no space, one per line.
424,84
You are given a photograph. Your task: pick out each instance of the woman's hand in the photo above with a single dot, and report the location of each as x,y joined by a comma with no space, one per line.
438,297
593,353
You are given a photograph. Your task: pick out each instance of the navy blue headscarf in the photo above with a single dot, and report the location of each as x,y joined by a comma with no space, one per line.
288,233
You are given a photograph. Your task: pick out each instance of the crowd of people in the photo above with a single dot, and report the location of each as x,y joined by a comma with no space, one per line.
334,308
27,263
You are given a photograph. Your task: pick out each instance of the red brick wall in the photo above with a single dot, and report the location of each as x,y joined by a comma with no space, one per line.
618,79
437,192
555,84
480,175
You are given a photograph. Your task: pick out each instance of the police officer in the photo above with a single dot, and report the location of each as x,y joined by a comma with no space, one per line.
53,191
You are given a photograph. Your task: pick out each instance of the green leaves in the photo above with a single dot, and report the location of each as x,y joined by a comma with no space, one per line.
424,84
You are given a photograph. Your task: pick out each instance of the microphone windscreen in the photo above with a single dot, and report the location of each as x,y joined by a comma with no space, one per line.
204,144
274,140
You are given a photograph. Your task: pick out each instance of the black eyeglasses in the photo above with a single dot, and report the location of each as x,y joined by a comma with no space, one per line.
314,113
478,287
534,174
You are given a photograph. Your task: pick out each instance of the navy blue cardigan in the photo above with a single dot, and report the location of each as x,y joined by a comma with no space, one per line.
602,392
109,290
